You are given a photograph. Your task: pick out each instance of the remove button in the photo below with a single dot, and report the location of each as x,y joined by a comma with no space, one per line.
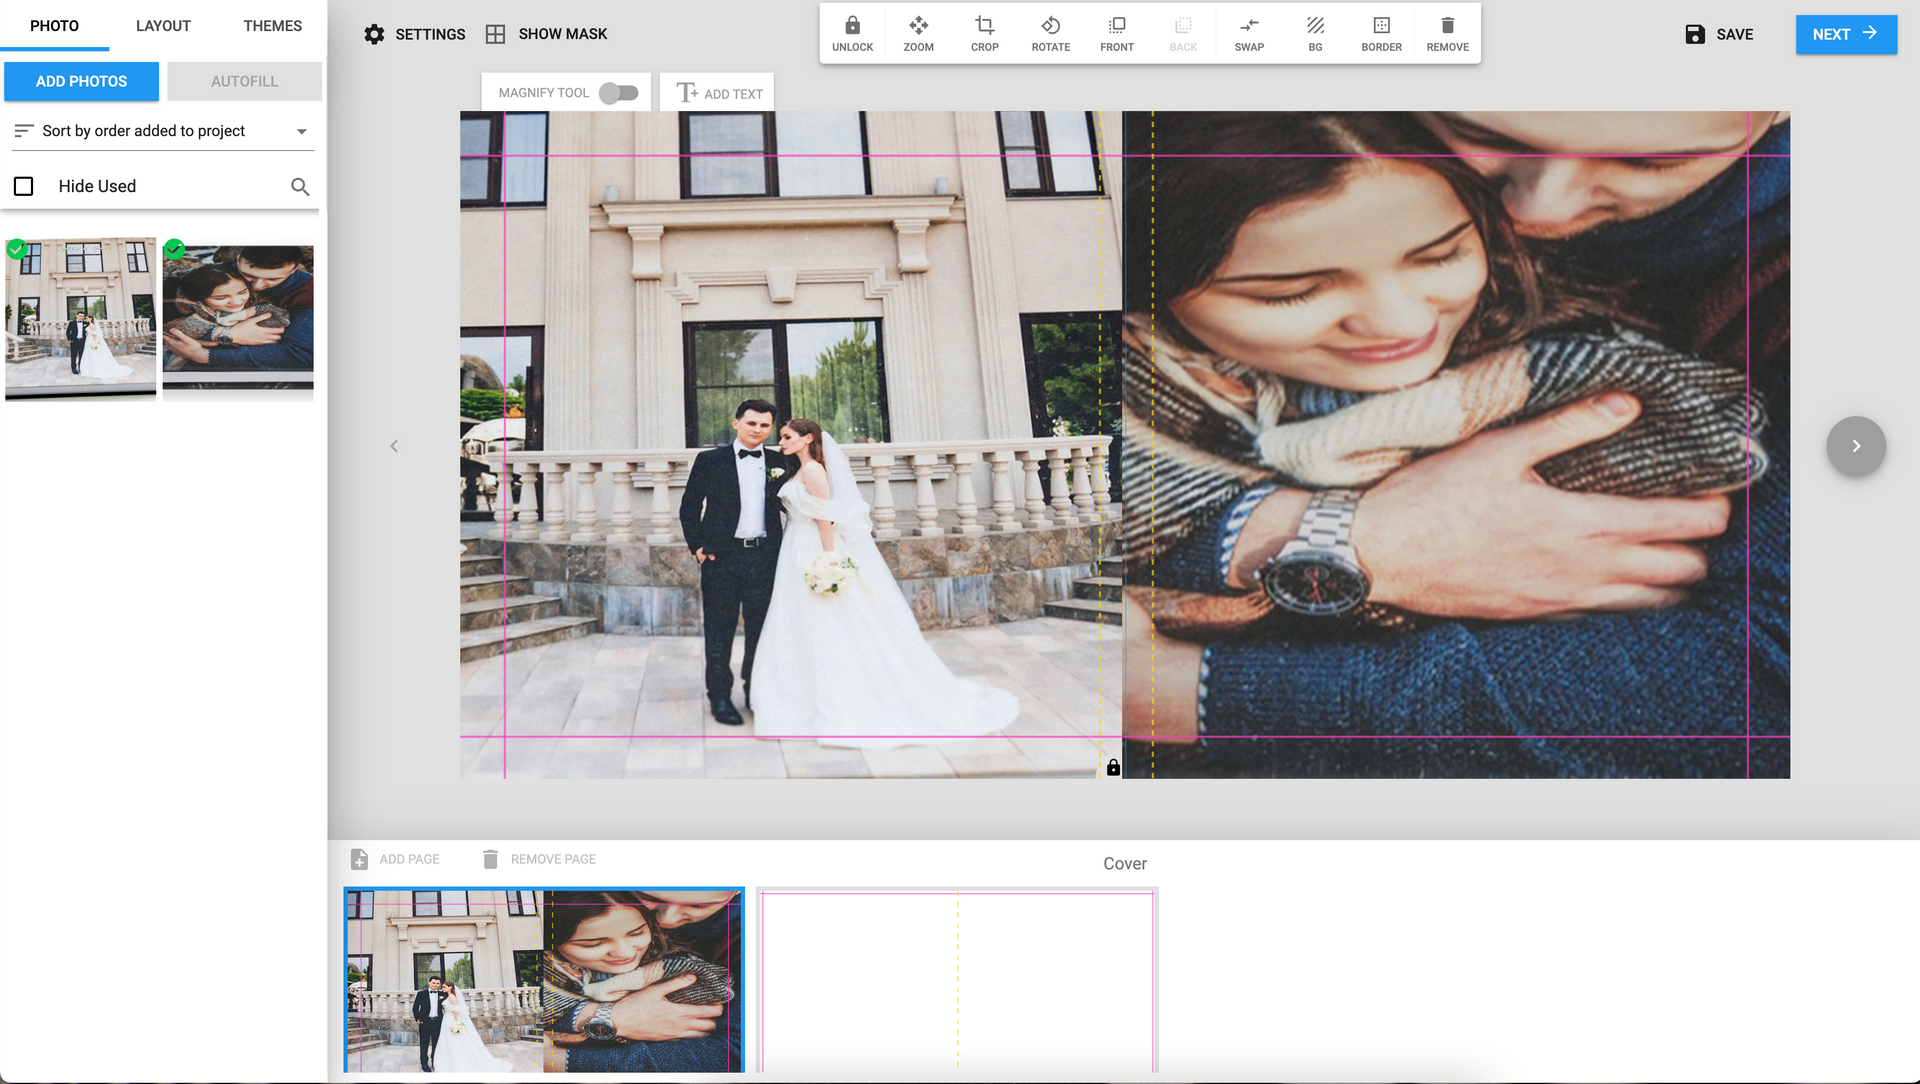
82,81
1865,35
243,81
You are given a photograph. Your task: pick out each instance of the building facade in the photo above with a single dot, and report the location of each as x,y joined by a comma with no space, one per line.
489,942
114,279
899,276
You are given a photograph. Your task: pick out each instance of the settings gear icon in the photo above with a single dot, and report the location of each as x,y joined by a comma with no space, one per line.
375,35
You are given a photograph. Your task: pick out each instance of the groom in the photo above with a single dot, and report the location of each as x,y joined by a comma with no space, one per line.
76,341
731,519
428,1009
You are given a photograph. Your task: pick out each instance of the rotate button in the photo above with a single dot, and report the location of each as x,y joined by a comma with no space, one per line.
1851,34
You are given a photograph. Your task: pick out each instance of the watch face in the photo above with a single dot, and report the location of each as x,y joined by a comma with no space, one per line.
1310,584
597,1030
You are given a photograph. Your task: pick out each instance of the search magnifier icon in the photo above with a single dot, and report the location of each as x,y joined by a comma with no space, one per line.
300,186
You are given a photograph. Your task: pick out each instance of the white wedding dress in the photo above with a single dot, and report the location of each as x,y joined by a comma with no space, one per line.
852,669
97,361
464,1052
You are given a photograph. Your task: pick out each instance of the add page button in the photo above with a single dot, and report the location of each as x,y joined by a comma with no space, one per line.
82,81
1854,34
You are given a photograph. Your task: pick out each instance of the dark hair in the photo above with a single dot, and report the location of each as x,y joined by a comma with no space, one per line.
567,910
809,429
199,284
760,405
434,979
265,256
1195,178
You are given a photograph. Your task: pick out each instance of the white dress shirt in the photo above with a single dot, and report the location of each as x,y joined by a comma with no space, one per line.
433,1004
752,472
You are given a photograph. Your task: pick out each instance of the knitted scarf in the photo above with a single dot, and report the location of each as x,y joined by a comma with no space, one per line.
1199,429
564,987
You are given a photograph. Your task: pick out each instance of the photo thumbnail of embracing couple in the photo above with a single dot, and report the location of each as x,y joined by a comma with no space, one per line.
637,980
1464,437
238,316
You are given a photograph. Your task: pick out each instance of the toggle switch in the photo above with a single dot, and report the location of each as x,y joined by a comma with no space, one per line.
618,92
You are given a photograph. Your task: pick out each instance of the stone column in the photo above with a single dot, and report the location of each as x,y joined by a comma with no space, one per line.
892,134
996,305
569,375
659,390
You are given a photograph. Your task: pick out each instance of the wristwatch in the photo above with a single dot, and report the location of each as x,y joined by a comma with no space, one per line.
223,337
1318,574
601,1026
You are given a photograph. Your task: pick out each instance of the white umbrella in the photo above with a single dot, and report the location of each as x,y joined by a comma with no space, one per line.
496,430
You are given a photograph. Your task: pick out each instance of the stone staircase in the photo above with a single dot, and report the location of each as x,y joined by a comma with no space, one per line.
500,613
21,350
1095,598
359,1038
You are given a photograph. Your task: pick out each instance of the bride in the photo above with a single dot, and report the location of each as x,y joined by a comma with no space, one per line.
96,360
851,667
460,1049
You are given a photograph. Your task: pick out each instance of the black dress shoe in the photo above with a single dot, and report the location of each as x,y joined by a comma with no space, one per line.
749,696
724,712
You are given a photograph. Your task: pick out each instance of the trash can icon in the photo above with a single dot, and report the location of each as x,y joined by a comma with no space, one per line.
491,859
1446,25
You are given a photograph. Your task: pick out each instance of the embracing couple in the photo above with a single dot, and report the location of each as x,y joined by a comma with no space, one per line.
449,1038
785,541
1417,391
87,347
253,313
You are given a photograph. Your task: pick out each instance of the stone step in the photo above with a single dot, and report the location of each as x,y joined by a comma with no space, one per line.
479,564
354,1046
1098,588
486,643
1082,609
491,613
494,586
1112,566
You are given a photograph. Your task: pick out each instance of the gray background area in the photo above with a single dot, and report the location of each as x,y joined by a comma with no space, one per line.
393,681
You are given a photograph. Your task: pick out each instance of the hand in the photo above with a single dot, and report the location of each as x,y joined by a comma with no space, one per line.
178,343
248,332
646,1015
1160,692
1473,531
702,556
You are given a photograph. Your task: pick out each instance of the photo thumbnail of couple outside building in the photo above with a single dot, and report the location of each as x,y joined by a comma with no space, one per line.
1468,503
575,980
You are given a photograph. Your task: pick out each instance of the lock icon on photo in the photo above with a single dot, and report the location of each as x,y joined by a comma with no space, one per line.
853,24
1113,767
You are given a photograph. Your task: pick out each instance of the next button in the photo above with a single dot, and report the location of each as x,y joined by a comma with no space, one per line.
82,81
1814,34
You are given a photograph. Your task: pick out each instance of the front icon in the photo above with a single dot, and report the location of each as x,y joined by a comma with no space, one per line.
1696,34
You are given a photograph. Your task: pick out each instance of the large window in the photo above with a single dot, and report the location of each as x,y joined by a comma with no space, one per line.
93,305
434,904
454,967
516,358
773,154
359,905
1073,382
503,159
359,969
143,306
829,370
522,903
526,967
136,255
30,262
84,256
25,312
1049,153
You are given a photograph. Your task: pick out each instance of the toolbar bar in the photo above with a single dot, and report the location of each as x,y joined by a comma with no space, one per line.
1149,33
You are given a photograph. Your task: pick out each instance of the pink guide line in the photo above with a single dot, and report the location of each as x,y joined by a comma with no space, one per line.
950,156
1212,737
943,895
1747,496
1153,984
505,530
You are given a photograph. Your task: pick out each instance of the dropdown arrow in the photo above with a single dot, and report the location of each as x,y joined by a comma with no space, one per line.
302,131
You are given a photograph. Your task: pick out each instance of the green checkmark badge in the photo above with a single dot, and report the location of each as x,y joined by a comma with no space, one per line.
174,249
16,249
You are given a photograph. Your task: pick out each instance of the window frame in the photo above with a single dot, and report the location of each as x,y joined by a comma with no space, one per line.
34,254
536,373
418,903
496,143
20,315
136,250
1044,159
98,253
770,139
360,901
782,386
522,902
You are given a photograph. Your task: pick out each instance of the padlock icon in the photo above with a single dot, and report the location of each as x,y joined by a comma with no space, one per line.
1113,767
853,24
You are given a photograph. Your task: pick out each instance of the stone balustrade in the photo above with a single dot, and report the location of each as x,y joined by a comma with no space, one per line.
515,1001
114,329
944,484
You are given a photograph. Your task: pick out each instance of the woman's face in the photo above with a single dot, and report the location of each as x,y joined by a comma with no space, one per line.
229,296
613,942
1363,289
672,910
792,443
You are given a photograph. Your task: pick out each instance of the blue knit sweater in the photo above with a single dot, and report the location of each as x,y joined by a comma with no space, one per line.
1571,698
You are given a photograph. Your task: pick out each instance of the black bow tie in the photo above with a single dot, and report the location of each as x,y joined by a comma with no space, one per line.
745,453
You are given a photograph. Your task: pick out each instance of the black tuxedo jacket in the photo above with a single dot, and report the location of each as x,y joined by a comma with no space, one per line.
710,509
76,330
420,1004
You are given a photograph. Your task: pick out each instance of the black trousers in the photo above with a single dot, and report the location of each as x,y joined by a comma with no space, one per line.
739,581
429,1038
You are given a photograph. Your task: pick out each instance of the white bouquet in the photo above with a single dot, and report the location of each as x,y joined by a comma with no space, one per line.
458,1027
828,572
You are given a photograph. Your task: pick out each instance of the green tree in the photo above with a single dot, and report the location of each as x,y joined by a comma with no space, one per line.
486,404
843,393
518,385
1079,377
